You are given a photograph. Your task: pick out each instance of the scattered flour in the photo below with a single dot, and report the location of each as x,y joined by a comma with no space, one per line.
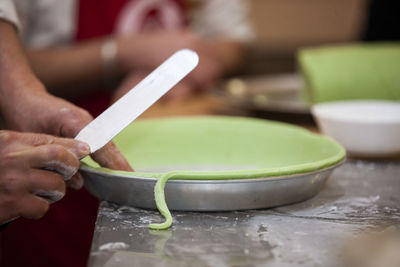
114,246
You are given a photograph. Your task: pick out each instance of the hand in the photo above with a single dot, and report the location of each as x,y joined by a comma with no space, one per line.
148,50
179,92
38,111
33,168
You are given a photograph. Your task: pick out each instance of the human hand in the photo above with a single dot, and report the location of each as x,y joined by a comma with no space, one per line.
33,168
148,50
179,92
38,111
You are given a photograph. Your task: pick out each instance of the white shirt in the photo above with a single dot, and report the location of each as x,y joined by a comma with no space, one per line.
223,19
8,13
47,23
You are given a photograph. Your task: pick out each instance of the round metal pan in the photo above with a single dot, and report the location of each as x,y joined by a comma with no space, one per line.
207,195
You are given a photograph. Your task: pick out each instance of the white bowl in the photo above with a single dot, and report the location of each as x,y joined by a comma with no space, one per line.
365,128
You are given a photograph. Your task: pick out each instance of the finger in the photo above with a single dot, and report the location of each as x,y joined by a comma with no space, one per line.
47,185
71,120
32,207
110,157
181,91
80,149
51,157
206,73
128,83
76,181
49,196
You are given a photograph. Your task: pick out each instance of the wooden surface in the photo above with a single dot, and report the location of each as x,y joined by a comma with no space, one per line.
207,104
200,104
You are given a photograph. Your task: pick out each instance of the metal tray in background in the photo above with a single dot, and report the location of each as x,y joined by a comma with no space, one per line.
207,195
267,93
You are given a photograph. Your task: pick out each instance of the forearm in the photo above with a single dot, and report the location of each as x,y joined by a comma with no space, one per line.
67,70
147,50
15,74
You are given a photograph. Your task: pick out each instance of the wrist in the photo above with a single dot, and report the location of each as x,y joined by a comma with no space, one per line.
14,92
108,52
129,54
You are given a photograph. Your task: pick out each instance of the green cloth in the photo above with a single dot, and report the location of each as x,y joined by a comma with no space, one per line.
358,71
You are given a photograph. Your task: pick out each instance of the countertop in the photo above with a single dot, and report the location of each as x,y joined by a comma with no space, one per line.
359,197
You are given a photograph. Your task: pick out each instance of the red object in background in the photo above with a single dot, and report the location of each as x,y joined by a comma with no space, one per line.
63,236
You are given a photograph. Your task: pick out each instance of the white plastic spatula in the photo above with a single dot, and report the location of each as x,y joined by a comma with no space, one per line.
119,115
108,124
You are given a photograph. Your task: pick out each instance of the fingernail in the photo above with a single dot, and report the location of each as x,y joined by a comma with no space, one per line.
76,183
64,170
84,148
50,196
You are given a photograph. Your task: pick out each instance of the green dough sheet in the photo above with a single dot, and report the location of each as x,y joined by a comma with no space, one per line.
347,72
218,147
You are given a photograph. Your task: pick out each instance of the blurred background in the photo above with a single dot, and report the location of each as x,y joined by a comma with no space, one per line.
272,59
275,81
282,27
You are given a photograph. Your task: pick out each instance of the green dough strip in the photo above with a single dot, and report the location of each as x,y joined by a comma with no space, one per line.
162,207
